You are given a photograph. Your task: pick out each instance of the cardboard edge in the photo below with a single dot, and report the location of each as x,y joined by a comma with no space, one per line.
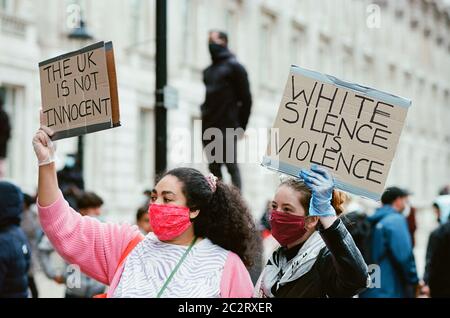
368,91
113,87
70,54
81,130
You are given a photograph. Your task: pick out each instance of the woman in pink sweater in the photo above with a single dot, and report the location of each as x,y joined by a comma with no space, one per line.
204,237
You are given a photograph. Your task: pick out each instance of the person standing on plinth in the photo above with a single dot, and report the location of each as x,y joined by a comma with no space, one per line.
227,104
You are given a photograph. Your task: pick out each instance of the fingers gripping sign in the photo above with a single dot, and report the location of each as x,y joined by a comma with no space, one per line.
321,183
44,147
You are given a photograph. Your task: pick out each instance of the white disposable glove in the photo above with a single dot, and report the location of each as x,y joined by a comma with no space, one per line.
44,147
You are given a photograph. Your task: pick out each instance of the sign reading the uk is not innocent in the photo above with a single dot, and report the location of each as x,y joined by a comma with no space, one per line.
79,91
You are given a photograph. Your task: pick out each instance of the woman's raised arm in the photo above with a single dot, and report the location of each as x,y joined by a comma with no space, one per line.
45,152
94,246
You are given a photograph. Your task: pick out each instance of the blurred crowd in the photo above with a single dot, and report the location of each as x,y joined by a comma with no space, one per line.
26,250
385,237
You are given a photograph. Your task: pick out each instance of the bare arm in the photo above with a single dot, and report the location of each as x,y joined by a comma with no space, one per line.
327,221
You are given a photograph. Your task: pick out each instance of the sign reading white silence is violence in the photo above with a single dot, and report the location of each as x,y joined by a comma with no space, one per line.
350,129
79,91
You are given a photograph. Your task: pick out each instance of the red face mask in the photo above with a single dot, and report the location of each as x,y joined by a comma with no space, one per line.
287,228
169,221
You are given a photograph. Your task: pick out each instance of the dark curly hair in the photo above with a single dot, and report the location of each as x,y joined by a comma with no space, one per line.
224,217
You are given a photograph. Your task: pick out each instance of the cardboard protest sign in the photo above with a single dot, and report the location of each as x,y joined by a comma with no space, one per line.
350,129
79,91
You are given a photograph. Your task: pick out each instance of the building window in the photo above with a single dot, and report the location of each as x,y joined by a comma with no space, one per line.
195,34
187,30
407,81
409,92
446,110
369,71
232,25
7,6
266,50
425,178
142,27
297,47
434,108
348,64
448,167
324,59
422,107
9,96
136,9
393,78
17,164
145,145
411,171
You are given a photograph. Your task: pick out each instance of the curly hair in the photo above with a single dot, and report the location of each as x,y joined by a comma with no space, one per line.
224,217
337,200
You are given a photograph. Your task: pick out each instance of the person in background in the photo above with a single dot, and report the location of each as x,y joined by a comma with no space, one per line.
46,262
318,257
70,180
15,252
90,204
227,104
441,207
33,231
78,285
445,190
5,135
391,248
268,242
437,276
143,221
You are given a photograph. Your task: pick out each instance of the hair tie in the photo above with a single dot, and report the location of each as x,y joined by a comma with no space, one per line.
212,181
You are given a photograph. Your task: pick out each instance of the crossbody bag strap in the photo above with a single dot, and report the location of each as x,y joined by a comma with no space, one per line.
166,283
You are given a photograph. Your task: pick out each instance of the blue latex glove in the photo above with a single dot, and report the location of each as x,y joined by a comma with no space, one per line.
321,183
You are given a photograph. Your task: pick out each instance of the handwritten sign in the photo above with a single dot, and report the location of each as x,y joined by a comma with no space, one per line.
79,91
350,129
